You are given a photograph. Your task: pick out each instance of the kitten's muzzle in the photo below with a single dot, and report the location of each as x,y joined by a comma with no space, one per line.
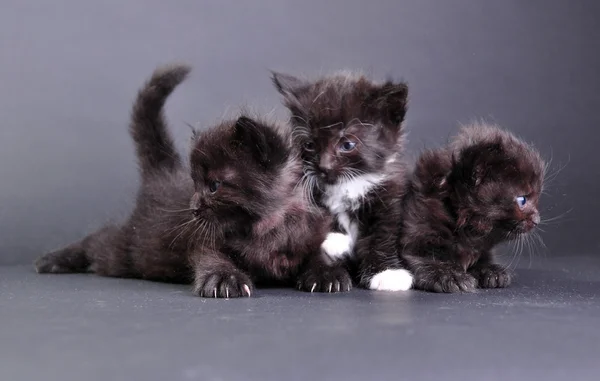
329,176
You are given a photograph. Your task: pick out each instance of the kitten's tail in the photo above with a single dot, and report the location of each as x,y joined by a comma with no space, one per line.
155,148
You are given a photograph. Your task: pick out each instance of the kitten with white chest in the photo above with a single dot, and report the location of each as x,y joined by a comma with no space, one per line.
350,133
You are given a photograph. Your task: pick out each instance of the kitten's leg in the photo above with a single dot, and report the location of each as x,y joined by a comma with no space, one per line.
70,259
217,277
378,261
382,271
489,274
438,276
79,257
319,276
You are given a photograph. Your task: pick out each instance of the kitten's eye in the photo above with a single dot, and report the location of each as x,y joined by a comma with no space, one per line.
521,201
347,146
309,146
213,186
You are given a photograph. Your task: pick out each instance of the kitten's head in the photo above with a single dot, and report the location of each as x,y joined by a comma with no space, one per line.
497,180
242,170
345,124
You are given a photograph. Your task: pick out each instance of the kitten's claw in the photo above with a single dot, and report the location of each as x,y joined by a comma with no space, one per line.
223,284
328,279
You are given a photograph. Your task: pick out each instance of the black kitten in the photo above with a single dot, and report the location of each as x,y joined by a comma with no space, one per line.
465,199
237,219
350,133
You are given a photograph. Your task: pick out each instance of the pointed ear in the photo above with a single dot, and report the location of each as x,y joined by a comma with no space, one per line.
262,141
288,85
390,101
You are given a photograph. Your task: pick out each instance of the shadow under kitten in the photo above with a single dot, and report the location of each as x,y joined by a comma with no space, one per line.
463,200
237,219
350,132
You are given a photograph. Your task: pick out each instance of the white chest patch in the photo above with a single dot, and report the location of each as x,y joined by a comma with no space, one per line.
347,195
341,198
392,280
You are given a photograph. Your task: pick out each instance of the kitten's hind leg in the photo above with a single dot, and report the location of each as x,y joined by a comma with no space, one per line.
71,259
217,277
436,276
82,256
489,274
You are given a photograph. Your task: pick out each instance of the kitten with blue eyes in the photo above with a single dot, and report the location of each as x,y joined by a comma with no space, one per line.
465,199
350,132
232,219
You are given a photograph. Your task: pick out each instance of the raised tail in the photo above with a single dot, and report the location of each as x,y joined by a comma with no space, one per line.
154,146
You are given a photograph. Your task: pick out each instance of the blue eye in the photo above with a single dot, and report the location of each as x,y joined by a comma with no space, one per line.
213,186
347,146
521,201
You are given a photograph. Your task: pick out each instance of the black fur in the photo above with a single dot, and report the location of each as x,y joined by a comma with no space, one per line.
328,116
462,203
254,225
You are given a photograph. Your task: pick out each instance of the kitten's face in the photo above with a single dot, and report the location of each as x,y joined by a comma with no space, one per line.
234,168
345,125
501,185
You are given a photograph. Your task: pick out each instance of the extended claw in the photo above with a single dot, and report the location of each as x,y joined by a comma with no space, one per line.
313,287
330,286
247,289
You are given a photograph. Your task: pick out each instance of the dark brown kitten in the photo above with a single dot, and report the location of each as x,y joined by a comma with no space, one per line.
237,219
246,193
464,200
350,133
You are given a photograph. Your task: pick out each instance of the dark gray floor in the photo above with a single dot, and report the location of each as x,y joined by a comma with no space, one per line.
83,327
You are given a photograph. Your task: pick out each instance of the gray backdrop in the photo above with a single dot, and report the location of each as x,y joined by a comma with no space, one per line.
70,69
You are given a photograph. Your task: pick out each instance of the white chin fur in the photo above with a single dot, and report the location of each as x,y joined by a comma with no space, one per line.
337,245
392,280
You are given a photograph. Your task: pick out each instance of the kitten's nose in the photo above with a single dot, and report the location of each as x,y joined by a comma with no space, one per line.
196,213
327,174
535,219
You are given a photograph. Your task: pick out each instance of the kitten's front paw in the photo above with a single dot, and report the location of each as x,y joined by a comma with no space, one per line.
491,276
336,246
224,284
443,278
331,279
392,280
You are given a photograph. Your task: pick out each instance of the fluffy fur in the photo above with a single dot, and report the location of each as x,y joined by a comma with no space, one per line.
238,219
463,200
350,132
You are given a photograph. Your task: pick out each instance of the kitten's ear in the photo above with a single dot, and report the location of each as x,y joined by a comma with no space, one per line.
390,101
262,141
288,85
474,161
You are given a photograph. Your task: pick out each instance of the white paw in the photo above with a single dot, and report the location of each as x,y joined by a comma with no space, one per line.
392,280
337,245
